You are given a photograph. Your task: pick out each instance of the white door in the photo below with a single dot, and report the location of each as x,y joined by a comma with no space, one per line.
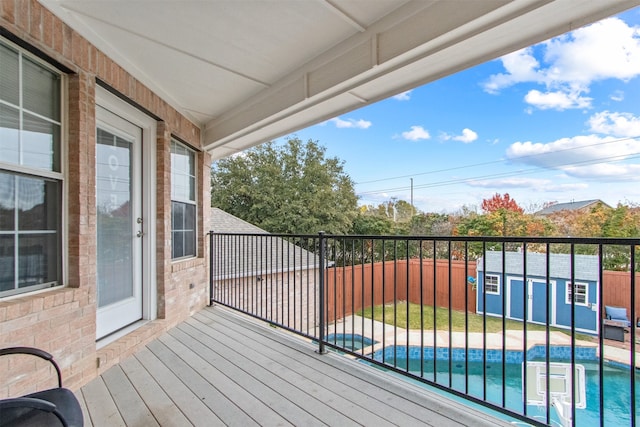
120,224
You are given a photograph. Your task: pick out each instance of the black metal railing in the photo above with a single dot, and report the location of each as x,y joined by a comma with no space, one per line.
518,325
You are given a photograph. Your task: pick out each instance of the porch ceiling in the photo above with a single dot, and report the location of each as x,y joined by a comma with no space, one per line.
250,71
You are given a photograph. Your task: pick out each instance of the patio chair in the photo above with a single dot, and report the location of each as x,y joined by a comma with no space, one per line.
52,407
617,314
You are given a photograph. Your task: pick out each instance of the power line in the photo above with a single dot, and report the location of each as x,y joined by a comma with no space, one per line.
496,161
618,157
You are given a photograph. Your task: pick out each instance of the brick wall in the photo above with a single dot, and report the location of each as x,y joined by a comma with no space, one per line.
286,298
63,320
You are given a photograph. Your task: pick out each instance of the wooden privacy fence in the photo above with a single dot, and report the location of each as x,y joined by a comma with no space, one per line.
617,288
350,288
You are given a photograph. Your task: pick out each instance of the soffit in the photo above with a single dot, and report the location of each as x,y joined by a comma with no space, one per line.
253,70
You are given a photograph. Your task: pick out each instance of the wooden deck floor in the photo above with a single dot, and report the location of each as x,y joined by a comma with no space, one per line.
220,368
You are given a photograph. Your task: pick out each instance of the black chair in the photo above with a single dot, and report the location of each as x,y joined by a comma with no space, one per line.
56,406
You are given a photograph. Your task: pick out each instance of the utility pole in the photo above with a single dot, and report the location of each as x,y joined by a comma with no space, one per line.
413,209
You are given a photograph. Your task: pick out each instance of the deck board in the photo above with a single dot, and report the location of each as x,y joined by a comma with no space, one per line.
131,406
200,388
162,407
343,379
350,401
235,395
85,411
257,394
291,388
101,407
220,368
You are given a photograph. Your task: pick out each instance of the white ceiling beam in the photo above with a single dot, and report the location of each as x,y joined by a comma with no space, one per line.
480,32
343,15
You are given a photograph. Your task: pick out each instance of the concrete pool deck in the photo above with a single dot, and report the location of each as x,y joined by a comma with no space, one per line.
513,340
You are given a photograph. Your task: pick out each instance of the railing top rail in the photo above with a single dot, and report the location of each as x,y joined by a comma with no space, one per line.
493,239
265,234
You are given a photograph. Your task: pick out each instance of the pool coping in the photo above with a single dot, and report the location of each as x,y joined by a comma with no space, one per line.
493,343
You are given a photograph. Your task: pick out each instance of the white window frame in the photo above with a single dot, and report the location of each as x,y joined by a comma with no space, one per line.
38,173
194,202
569,292
496,284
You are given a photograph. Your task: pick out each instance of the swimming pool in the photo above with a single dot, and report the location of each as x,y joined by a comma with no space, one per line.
617,382
353,342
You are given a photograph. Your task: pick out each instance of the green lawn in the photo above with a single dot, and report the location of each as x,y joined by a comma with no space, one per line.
475,321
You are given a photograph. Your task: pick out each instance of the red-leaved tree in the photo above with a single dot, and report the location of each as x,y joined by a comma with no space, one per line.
498,202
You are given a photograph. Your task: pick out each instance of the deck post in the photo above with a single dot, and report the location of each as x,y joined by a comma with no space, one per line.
321,279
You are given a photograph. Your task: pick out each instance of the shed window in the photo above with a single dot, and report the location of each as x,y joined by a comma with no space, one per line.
31,177
581,293
492,284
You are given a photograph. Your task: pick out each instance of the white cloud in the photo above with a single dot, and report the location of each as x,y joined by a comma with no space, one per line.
556,100
521,66
617,96
351,123
615,124
404,96
539,185
507,183
607,49
588,156
611,172
467,136
571,63
416,133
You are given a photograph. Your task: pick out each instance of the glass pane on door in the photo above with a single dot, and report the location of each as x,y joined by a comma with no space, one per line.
114,218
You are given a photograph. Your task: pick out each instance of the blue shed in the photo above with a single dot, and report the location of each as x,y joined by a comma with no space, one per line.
503,290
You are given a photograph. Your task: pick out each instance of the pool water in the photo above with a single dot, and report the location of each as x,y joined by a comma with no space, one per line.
617,388
353,342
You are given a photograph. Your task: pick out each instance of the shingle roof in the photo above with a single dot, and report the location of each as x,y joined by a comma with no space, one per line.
585,266
251,251
569,206
224,222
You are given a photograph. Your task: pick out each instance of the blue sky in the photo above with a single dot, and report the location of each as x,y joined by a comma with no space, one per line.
558,121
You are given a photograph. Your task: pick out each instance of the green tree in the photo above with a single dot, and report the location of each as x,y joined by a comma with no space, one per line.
431,224
376,225
404,211
290,188
501,217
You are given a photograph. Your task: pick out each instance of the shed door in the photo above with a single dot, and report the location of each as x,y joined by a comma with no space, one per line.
537,309
515,299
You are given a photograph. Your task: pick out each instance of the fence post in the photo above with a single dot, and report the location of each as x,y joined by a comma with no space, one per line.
321,279
210,268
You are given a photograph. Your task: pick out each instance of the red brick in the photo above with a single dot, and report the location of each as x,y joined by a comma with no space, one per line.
64,320
35,19
47,28
22,15
8,10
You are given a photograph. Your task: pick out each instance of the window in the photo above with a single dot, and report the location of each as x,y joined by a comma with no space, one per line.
581,293
492,284
183,201
30,173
